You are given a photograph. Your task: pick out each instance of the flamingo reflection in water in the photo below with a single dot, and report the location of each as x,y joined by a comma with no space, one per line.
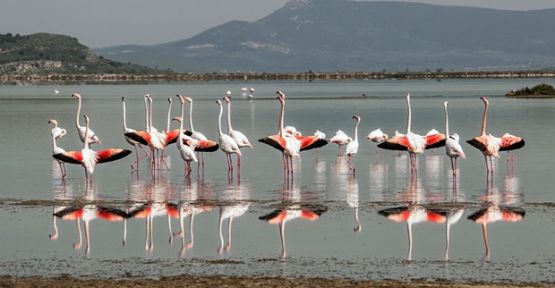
413,213
347,185
292,208
190,205
150,202
87,213
236,196
498,207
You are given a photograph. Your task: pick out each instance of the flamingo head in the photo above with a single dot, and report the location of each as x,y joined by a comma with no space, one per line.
445,104
122,99
147,96
228,93
485,100
177,118
280,94
227,98
219,102
53,122
356,117
76,95
252,90
169,100
181,98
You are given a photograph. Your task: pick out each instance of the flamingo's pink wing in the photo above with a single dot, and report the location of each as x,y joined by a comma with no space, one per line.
113,154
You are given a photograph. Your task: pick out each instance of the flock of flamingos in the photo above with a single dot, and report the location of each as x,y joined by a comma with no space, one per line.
192,144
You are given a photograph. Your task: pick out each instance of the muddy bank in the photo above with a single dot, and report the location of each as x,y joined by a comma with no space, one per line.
192,281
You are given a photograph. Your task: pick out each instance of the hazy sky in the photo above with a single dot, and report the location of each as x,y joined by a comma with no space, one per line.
102,23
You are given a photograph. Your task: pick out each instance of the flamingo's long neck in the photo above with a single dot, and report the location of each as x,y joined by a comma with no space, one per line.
220,119
229,129
124,116
169,115
147,126
87,236
54,146
86,143
409,115
356,129
191,117
446,120
77,114
180,137
281,116
484,119
150,112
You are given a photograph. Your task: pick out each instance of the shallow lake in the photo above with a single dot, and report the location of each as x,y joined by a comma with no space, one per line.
325,223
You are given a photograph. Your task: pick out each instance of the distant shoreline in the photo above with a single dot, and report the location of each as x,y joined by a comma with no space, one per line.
251,76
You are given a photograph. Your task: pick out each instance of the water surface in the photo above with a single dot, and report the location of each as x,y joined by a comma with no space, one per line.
324,202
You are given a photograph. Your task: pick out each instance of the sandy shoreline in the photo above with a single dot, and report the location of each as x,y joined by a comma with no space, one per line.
221,281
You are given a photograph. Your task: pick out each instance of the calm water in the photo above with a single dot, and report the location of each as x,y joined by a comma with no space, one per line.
324,201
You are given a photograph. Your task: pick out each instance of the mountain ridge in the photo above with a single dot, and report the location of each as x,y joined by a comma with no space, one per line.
330,35
45,53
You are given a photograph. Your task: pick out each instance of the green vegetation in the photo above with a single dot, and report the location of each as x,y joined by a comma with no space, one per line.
44,53
539,91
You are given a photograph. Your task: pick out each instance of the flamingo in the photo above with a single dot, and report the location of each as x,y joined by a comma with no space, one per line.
187,152
320,135
227,144
352,147
491,145
251,94
340,139
205,145
134,138
81,129
239,138
159,140
413,143
452,147
377,136
89,158
58,133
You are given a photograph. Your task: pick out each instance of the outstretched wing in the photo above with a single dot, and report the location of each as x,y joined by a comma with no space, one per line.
142,137
171,136
207,146
511,142
399,142
311,142
73,157
275,141
108,155
435,140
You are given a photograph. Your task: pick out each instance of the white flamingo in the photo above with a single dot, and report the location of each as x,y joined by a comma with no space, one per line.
81,129
227,144
452,147
352,147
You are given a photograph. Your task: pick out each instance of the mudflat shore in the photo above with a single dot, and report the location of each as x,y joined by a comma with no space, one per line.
220,281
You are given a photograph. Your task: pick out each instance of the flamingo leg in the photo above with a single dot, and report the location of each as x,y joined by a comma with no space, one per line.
77,245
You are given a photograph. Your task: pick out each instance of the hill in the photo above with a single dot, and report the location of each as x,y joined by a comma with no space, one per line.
44,53
335,35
